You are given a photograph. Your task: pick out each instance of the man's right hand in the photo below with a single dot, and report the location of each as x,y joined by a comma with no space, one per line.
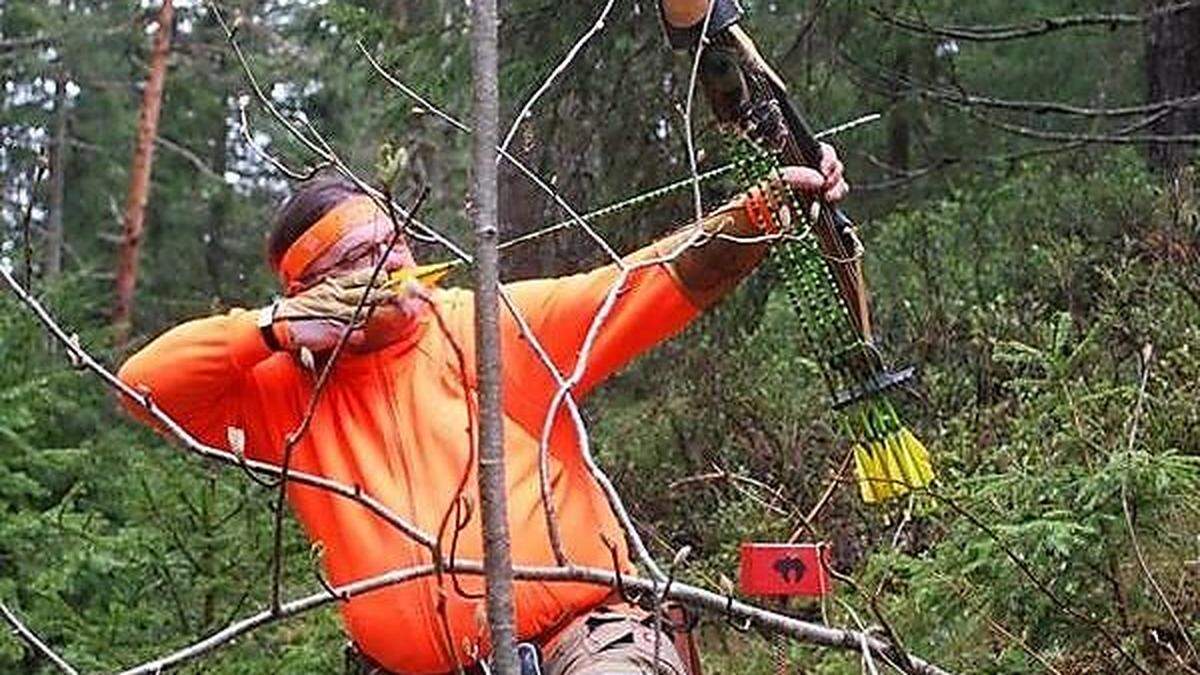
315,318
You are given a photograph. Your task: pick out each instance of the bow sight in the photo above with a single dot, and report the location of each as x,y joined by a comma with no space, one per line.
820,263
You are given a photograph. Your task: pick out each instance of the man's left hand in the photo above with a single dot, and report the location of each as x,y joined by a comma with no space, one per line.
829,183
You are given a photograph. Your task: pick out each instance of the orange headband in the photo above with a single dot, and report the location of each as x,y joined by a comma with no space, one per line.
323,234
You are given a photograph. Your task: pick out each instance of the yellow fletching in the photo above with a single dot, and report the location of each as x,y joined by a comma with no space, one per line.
881,478
919,455
910,474
426,275
864,472
891,469
891,466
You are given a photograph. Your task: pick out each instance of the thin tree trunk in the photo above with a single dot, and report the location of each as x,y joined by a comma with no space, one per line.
497,556
899,124
1173,71
139,174
52,250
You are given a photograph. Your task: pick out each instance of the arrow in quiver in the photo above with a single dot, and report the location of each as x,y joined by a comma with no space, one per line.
820,263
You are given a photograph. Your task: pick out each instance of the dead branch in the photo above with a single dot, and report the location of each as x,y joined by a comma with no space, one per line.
764,619
1145,359
1032,28
296,435
1072,137
1054,107
29,637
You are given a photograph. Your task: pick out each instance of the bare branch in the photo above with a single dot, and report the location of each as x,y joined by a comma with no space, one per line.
1055,107
689,133
516,163
190,157
716,603
1072,137
527,109
294,437
1032,28
1145,359
29,637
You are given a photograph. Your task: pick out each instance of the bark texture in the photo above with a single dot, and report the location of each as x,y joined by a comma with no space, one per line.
1173,71
484,197
139,174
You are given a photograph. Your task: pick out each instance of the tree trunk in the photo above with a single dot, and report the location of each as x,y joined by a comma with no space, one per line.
1173,71
899,124
492,485
520,212
139,174
52,250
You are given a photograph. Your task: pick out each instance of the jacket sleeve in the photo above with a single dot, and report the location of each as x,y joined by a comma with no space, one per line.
199,373
641,307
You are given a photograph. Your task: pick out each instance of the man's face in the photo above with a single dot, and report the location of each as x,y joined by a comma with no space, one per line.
362,247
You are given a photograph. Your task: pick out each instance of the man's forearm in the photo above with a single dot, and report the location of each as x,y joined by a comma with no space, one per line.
724,251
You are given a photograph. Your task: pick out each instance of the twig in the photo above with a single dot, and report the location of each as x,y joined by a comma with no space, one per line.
526,110
1070,136
321,149
504,154
1026,30
294,437
689,135
190,157
1145,358
1023,644
28,636
1055,107
826,496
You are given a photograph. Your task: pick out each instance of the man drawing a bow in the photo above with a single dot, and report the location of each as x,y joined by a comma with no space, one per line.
393,415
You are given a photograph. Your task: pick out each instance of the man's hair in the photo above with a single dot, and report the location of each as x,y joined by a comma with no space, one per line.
313,199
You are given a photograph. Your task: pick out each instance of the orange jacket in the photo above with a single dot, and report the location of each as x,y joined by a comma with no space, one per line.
394,422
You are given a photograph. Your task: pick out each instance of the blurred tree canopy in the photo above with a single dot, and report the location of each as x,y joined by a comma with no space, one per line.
1032,223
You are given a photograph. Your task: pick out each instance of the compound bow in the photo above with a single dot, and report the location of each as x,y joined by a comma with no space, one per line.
820,262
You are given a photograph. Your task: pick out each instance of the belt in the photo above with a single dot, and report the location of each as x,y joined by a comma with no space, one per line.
528,656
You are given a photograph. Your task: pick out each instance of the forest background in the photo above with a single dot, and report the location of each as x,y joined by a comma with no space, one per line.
1027,199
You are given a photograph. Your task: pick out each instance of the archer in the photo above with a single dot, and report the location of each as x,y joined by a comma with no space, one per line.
392,416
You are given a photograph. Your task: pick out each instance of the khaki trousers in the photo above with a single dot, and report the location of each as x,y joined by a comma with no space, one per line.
612,640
